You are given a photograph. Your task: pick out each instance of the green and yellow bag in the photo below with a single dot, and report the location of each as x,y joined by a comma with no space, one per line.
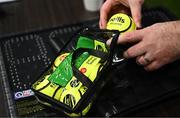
78,74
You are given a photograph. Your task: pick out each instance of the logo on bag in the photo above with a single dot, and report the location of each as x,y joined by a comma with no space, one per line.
74,83
69,100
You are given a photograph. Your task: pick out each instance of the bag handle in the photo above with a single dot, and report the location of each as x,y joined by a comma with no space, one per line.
79,75
113,46
116,50
114,34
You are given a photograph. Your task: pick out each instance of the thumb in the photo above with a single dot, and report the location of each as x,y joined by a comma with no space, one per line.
135,6
131,37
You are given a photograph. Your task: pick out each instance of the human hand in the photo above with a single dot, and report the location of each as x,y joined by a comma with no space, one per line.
155,46
111,7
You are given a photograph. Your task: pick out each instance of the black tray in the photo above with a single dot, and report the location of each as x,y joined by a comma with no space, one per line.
27,55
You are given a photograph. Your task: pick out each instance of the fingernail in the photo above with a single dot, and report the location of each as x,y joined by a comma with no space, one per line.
138,24
108,42
125,55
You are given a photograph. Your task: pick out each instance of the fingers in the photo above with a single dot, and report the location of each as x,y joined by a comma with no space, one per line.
144,59
135,6
135,51
131,37
105,9
111,7
128,37
153,66
148,66
148,63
